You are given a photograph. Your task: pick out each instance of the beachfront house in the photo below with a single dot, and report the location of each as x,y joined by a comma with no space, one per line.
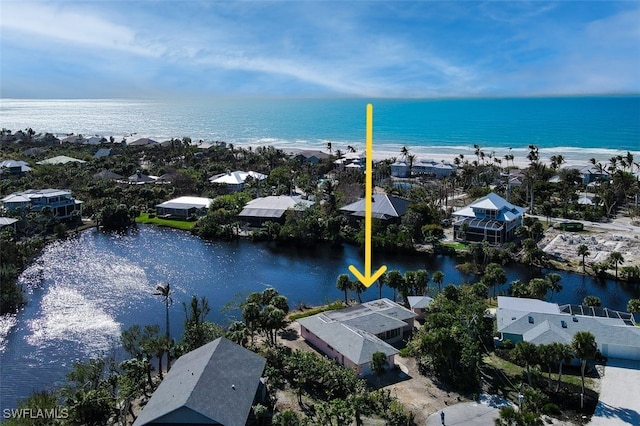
143,142
387,208
308,156
61,202
352,335
490,218
271,209
215,384
540,322
184,207
234,181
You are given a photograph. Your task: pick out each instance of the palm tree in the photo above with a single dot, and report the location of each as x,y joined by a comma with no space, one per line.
344,284
633,306
404,151
547,357
382,280
563,353
395,281
554,283
591,301
494,275
585,347
438,277
526,352
164,291
616,259
583,251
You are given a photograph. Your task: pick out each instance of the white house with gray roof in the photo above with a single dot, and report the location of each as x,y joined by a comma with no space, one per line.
490,218
542,323
352,335
184,207
271,208
215,384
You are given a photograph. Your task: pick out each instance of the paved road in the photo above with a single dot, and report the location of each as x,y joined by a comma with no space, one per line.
481,413
619,402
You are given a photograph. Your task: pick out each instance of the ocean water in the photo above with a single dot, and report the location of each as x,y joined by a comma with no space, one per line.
576,127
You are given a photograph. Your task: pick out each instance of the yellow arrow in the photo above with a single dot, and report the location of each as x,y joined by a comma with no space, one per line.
367,279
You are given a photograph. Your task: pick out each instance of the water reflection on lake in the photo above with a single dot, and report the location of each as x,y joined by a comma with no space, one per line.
83,292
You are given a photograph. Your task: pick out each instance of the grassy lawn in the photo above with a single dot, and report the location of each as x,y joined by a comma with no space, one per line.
171,223
514,372
456,245
331,307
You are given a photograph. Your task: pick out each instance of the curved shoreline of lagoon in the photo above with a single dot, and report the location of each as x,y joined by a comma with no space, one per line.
84,291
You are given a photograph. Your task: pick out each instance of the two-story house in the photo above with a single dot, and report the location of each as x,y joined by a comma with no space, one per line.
490,218
60,201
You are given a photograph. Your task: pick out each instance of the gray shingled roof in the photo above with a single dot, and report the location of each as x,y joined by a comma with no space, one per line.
356,345
519,317
383,207
216,382
352,331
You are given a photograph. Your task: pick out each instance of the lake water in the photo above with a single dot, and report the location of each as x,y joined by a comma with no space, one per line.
83,292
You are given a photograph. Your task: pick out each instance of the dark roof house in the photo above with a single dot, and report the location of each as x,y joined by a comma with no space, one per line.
215,384
383,206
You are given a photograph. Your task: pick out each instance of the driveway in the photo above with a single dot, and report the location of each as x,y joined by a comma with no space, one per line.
480,413
619,402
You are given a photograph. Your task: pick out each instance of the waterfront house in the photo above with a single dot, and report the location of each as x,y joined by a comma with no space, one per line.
73,140
352,335
62,160
388,208
539,322
143,142
272,208
14,168
61,202
490,218
400,169
308,156
215,384
420,305
234,181
184,207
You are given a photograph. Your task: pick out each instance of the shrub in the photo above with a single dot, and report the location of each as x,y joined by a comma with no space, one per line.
551,409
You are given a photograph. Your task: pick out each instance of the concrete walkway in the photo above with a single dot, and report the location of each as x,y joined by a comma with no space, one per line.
619,402
480,413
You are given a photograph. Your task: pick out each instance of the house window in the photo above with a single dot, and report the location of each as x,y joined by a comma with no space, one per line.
392,333
491,214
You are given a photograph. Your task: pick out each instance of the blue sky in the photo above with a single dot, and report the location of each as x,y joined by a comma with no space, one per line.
105,49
